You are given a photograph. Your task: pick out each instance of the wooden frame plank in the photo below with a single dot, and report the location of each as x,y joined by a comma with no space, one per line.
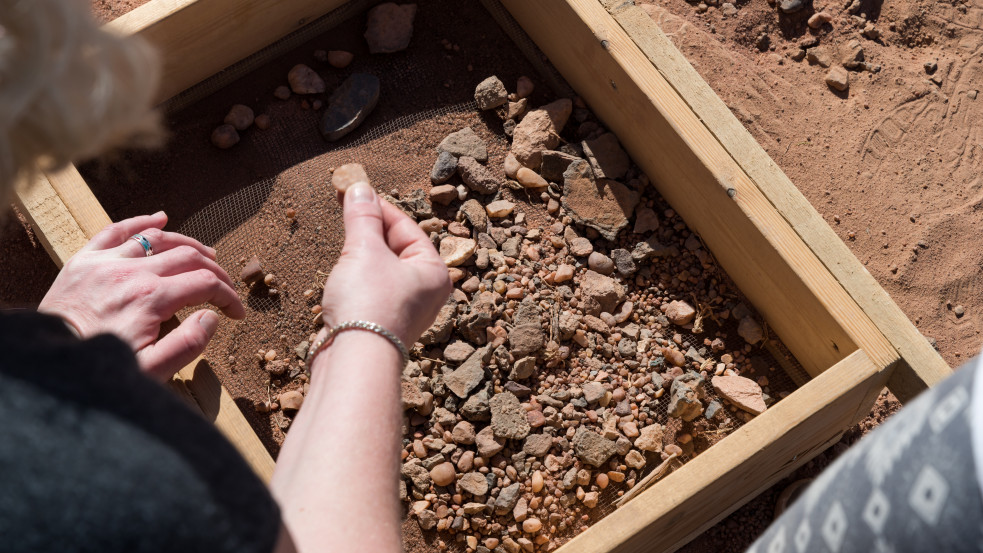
750,460
56,228
199,38
921,366
815,317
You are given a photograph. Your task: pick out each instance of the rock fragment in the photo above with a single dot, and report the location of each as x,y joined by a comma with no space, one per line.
685,394
340,59
508,418
540,130
750,330
464,143
240,116
304,80
537,445
443,169
443,474
463,433
523,368
680,313
602,204
445,193
349,105
347,175
291,401
468,376
490,93
838,79
455,250
390,27
474,483
488,445
600,263
476,176
475,213
650,438
600,293
530,179
742,392
507,499
252,272
225,136
592,448
499,209
458,351
594,392
440,331
791,6
606,157
410,395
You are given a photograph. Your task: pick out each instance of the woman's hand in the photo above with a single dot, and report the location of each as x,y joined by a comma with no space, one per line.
389,272
111,286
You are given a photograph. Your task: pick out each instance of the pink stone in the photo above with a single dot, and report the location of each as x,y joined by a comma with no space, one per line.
680,313
742,392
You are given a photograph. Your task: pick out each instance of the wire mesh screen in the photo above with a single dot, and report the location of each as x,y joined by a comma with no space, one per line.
270,197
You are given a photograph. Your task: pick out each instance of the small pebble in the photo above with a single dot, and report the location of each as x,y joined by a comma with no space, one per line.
225,136
530,179
347,175
291,401
524,87
531,525
443,474
340,58
281,92
304,80
240,117
500,208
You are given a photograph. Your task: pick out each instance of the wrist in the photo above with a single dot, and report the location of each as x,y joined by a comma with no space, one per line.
354,344
71,325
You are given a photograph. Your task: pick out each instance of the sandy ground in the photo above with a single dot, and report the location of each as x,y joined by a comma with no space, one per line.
893,164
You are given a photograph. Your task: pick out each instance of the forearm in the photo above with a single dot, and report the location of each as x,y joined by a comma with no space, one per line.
337,475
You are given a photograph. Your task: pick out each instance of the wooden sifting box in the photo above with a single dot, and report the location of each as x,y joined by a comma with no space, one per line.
831,314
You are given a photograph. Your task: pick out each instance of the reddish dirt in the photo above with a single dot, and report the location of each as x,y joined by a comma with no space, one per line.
892,162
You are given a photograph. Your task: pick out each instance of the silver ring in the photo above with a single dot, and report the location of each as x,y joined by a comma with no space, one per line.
148,250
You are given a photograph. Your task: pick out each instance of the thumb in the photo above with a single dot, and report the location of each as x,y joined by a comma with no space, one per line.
363,217
179,347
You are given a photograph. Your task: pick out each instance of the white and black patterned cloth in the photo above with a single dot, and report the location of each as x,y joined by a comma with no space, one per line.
911,485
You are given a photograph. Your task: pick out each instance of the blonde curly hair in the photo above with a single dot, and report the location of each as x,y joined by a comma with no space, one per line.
69,89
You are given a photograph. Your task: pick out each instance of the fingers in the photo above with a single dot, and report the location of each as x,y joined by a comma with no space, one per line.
405,238
184,259
195,288
161,242
118,233
363,218
179,347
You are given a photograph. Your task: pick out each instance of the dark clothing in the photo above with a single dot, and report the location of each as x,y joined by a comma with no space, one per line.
96,457
909,486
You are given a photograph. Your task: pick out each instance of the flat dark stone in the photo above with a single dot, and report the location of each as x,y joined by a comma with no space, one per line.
349,105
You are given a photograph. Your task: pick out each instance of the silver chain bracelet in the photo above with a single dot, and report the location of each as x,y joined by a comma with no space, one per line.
317,346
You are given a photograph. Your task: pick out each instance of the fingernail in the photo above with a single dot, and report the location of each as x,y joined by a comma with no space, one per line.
209,321
360,192
161,212
212,253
